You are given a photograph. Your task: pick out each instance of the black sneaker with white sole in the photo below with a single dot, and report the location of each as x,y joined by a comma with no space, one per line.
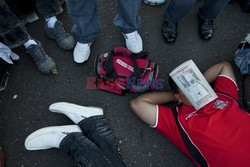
44,63
58,33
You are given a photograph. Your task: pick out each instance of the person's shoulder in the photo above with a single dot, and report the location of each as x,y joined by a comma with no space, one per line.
165,107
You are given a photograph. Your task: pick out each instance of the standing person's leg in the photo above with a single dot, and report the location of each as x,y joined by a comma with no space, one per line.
84,14
14,34
71,140
54,28
208,11
128,20
94,126
175,11
49,8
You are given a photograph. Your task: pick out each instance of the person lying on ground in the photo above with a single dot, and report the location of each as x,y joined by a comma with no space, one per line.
218,133
90,142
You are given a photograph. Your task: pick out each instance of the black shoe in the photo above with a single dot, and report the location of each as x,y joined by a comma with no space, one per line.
206,28
169,31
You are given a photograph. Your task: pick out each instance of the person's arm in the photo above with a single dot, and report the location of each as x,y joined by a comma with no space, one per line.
145,105
223,68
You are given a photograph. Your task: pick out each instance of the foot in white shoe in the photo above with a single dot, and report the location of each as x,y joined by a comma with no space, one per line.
133,41
49,137
81,52
154,2
75,112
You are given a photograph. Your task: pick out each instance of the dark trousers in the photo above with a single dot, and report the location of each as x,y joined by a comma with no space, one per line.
209,9
95,147
12,32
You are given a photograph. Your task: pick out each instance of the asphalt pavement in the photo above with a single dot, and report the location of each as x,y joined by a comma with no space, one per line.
24,104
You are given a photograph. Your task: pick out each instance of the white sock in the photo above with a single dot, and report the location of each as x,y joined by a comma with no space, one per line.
29,42
51,21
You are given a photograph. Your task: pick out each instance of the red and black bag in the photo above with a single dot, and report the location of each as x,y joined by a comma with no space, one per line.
121,71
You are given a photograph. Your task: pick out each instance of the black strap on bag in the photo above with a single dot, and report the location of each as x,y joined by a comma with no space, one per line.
194,152
137,71
108,65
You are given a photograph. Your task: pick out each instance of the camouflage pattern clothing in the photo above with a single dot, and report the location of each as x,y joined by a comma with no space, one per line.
12,32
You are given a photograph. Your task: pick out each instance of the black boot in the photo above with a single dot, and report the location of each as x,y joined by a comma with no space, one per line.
169,31
206,28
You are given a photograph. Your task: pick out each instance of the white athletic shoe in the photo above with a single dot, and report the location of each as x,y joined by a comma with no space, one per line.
75,112
133,41
81,52
154,2
49,137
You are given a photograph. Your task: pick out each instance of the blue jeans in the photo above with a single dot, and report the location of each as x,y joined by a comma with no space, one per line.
95,147
209,9
84,14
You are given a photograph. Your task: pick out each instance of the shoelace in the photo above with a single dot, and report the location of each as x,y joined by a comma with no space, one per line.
60,32
38,54
132,37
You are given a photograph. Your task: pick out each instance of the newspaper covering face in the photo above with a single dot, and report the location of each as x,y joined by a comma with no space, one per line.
193,84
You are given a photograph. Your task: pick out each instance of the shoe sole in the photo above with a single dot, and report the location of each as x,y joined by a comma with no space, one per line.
63,108
49,130
153,4
167,42
205,40
165,39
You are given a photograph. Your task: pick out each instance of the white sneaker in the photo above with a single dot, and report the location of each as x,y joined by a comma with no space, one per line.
75,112
154,2
133,41
49,137
81,52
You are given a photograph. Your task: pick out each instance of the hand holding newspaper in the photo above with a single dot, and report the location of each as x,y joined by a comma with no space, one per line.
193,84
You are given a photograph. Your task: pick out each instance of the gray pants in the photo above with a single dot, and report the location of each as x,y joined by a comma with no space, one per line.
209,9
12,32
